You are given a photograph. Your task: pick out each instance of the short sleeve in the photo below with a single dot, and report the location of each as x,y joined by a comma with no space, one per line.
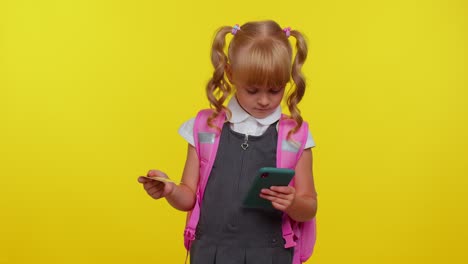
186,131
310,141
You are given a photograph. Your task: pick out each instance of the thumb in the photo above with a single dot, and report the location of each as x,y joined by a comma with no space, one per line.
156,173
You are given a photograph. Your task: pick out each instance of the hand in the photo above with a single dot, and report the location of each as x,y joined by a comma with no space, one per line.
281,197
154,188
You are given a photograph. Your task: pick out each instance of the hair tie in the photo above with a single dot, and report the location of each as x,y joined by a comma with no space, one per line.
235,28
287,31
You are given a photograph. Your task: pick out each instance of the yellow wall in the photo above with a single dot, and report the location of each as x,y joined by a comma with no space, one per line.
92,94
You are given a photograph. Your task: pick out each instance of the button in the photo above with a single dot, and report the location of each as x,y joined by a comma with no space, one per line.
231,227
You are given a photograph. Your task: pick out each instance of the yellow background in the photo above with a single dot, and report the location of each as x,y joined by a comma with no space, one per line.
93,92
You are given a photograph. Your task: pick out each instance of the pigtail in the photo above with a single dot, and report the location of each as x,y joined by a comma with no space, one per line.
218,88
299,81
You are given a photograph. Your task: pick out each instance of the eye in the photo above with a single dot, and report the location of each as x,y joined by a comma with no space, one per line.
251,91
275,91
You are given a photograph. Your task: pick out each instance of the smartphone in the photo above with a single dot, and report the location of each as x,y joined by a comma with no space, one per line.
265,178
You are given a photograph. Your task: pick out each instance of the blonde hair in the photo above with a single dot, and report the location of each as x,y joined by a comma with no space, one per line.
259,54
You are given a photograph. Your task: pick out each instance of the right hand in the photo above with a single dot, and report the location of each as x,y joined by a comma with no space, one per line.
157,189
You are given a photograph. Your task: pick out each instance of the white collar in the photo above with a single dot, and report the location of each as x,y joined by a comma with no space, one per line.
239,114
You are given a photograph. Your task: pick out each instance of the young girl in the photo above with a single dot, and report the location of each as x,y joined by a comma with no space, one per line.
259,64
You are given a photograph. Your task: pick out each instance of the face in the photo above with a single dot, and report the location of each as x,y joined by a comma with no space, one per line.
259,102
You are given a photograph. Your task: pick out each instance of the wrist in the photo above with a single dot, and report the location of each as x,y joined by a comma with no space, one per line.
290,209
171,191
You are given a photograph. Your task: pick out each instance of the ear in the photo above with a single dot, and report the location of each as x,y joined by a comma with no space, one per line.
228,71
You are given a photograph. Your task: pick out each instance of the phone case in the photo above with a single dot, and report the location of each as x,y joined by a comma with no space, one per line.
265,178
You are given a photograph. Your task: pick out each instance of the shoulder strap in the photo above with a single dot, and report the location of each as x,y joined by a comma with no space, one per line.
290,150
287,155
300,235
206,143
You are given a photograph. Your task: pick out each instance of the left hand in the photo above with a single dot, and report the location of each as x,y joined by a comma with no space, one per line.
281,197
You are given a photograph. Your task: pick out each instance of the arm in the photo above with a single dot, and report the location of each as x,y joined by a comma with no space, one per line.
181,197
184,195
300,201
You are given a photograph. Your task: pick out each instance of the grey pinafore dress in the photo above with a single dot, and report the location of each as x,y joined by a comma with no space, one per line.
227,232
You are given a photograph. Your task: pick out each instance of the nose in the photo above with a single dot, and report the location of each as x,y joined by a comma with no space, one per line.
263,101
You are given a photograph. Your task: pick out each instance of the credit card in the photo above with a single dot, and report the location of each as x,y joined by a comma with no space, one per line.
161,179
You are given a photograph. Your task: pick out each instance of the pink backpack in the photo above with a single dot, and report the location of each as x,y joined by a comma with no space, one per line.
300,235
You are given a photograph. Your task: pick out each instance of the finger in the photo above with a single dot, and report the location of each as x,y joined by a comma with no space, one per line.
277,203
283,189
151,185
284,200
267,197
142,179
280,199
152,189
279,206
151,173
156,193
163,191
275,194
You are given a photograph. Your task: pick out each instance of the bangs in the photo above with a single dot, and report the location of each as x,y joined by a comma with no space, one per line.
264,63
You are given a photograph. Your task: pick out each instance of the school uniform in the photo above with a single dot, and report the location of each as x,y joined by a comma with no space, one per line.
227,232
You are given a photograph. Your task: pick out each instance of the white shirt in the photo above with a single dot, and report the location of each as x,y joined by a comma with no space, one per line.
242,122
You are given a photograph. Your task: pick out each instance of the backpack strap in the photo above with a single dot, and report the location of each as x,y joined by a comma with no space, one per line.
290,150
206,143
287,155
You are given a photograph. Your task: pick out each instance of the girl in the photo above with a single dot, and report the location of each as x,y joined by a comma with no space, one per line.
259,63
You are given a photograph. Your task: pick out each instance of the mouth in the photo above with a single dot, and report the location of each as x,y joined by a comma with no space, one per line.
262,109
